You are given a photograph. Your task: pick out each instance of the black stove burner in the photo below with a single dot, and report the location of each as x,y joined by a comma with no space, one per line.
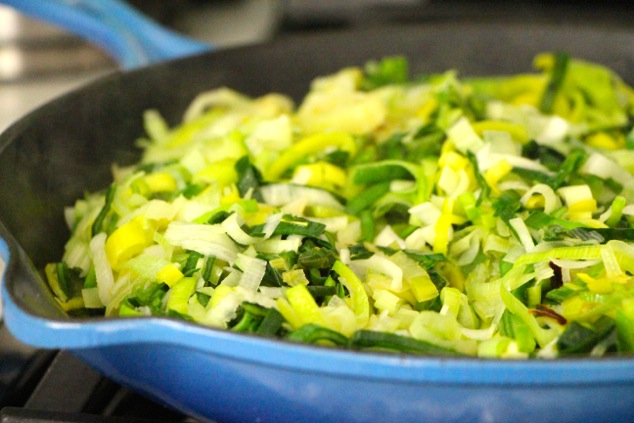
21,367
54,386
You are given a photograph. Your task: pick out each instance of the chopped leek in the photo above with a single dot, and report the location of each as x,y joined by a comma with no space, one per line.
555,83
491,217
311,333
97,225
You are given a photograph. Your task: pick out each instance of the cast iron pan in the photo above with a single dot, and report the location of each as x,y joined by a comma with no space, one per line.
54,155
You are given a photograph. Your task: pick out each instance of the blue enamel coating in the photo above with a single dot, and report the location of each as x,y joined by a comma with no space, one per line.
131,38
229,377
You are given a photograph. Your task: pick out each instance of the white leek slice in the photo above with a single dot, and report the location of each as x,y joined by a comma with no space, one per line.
253,270
382,265
233,226
551,200
523,234
208,240
603,167
277,195
464,136
103,271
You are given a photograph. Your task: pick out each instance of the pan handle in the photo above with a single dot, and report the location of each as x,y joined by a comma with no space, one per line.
126,34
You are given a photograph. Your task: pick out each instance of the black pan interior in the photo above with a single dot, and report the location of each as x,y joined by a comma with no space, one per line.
56,154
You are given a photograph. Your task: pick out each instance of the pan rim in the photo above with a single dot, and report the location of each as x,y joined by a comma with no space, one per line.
87,334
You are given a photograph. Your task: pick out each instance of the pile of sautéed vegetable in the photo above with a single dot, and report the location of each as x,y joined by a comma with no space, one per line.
436,214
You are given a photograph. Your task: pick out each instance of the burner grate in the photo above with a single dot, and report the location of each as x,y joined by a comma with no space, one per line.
68,390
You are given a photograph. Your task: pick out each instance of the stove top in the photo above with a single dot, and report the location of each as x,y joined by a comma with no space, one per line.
39,386
20,366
